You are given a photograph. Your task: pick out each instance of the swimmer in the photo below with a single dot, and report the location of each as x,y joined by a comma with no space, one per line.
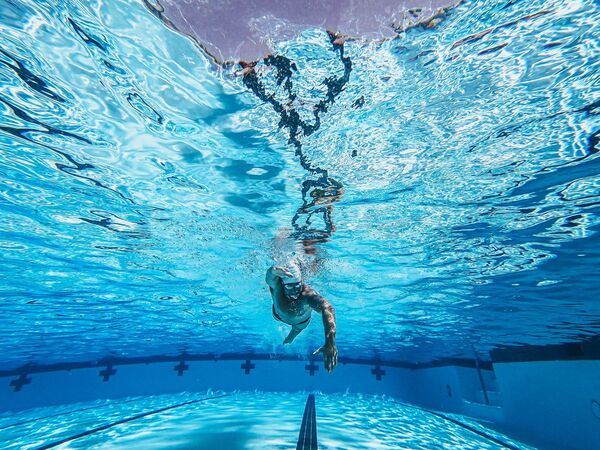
293,303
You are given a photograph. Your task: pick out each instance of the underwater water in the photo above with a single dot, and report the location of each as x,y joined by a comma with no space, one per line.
241,420
447,184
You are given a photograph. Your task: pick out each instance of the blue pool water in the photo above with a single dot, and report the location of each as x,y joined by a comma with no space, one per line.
142,187
446,182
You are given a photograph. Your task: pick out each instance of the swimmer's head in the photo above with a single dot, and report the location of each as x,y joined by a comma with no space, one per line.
292,290
292,282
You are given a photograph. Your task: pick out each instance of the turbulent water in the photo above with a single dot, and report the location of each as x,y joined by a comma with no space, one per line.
243,421
447,183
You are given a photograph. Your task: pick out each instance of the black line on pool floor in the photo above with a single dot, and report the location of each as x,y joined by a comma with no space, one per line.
64,413
127,419
307,439
463,425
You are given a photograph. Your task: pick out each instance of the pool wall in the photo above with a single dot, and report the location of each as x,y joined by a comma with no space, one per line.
552,402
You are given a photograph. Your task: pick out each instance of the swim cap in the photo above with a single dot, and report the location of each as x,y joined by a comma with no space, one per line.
294,269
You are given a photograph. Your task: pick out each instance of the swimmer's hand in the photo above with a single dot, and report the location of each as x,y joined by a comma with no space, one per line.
330,355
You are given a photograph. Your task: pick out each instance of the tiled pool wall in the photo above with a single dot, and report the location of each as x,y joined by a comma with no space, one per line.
546,396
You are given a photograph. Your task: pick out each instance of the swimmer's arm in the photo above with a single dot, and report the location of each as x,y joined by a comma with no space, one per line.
271,278
295,331
322,306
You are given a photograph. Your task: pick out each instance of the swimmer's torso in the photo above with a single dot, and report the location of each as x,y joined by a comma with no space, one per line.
292,309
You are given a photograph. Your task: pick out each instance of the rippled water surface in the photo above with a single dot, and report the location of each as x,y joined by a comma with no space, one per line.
242,420
447,182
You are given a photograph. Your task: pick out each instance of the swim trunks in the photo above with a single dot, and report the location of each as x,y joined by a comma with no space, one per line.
277,317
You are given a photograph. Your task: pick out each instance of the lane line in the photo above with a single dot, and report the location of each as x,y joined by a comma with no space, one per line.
106,405
127,419
307,438
463,425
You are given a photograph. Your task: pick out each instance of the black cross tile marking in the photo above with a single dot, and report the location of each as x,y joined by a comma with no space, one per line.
312,368
18,383
378,372
181,367
247,366
107,373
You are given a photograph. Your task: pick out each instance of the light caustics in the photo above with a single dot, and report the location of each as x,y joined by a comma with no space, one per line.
449,175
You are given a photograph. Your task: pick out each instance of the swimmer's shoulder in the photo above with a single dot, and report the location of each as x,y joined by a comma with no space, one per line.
310,293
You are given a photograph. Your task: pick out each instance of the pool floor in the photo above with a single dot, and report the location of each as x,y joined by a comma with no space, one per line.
243,420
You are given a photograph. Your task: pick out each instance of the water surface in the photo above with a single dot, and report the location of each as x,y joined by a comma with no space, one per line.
449,187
